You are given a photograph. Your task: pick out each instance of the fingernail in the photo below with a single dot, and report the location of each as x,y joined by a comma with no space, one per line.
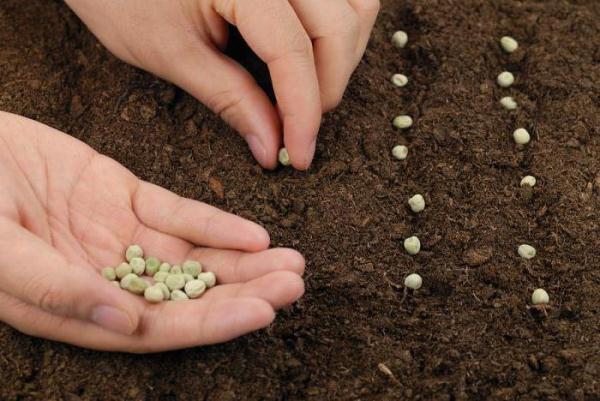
257,148
112,319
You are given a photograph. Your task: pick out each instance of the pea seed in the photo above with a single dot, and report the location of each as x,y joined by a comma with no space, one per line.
195,288
109,273
178,295
412,245
165,290
164,267
540,297
161,277
413,281
284,157
509,44
528,181
125,281
209,279
402,122
134,251
192,267
176,269
152,266
116,284
122,270
417,203
399,80
137,285
399,39
521,136
153,294
506,79
188,277
526,251
138,265
400,152
175,281
508,103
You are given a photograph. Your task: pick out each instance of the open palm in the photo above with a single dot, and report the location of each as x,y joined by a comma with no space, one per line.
66,212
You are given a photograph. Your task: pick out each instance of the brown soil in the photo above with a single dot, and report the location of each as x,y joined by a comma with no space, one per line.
467,333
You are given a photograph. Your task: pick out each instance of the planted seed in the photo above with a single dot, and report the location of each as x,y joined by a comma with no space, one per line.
154,295
176,269
134,251
125,281
413,281
164,267
195,288
175,281
284,157
152,266
506,79
526,251
417,203
412,245
540,297
109,273
509,44
402,122
400,152
122,270
521,136
161,277
165,290
209,279
399,39
528,181
137,285
192,267
399,80
508,103
138,265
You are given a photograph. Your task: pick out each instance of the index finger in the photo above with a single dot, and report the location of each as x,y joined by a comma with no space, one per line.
274,32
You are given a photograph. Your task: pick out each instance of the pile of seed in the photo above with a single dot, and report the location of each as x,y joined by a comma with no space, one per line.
159,281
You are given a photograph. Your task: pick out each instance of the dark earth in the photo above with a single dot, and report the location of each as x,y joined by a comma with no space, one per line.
467,334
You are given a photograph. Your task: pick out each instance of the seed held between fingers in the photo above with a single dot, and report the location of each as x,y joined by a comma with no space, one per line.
152,266
137,285
176,269
192,268
284,157
138,265
123,270
164,267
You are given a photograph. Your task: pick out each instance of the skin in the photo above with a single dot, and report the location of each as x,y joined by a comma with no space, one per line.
71,211
311,48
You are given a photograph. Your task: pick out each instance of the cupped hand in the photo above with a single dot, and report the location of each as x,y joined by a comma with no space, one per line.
66,212
311,48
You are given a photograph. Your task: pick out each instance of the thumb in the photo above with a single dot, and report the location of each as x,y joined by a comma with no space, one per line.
231,92
37,274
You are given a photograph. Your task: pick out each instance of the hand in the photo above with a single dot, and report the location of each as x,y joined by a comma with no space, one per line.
66,212
310,46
